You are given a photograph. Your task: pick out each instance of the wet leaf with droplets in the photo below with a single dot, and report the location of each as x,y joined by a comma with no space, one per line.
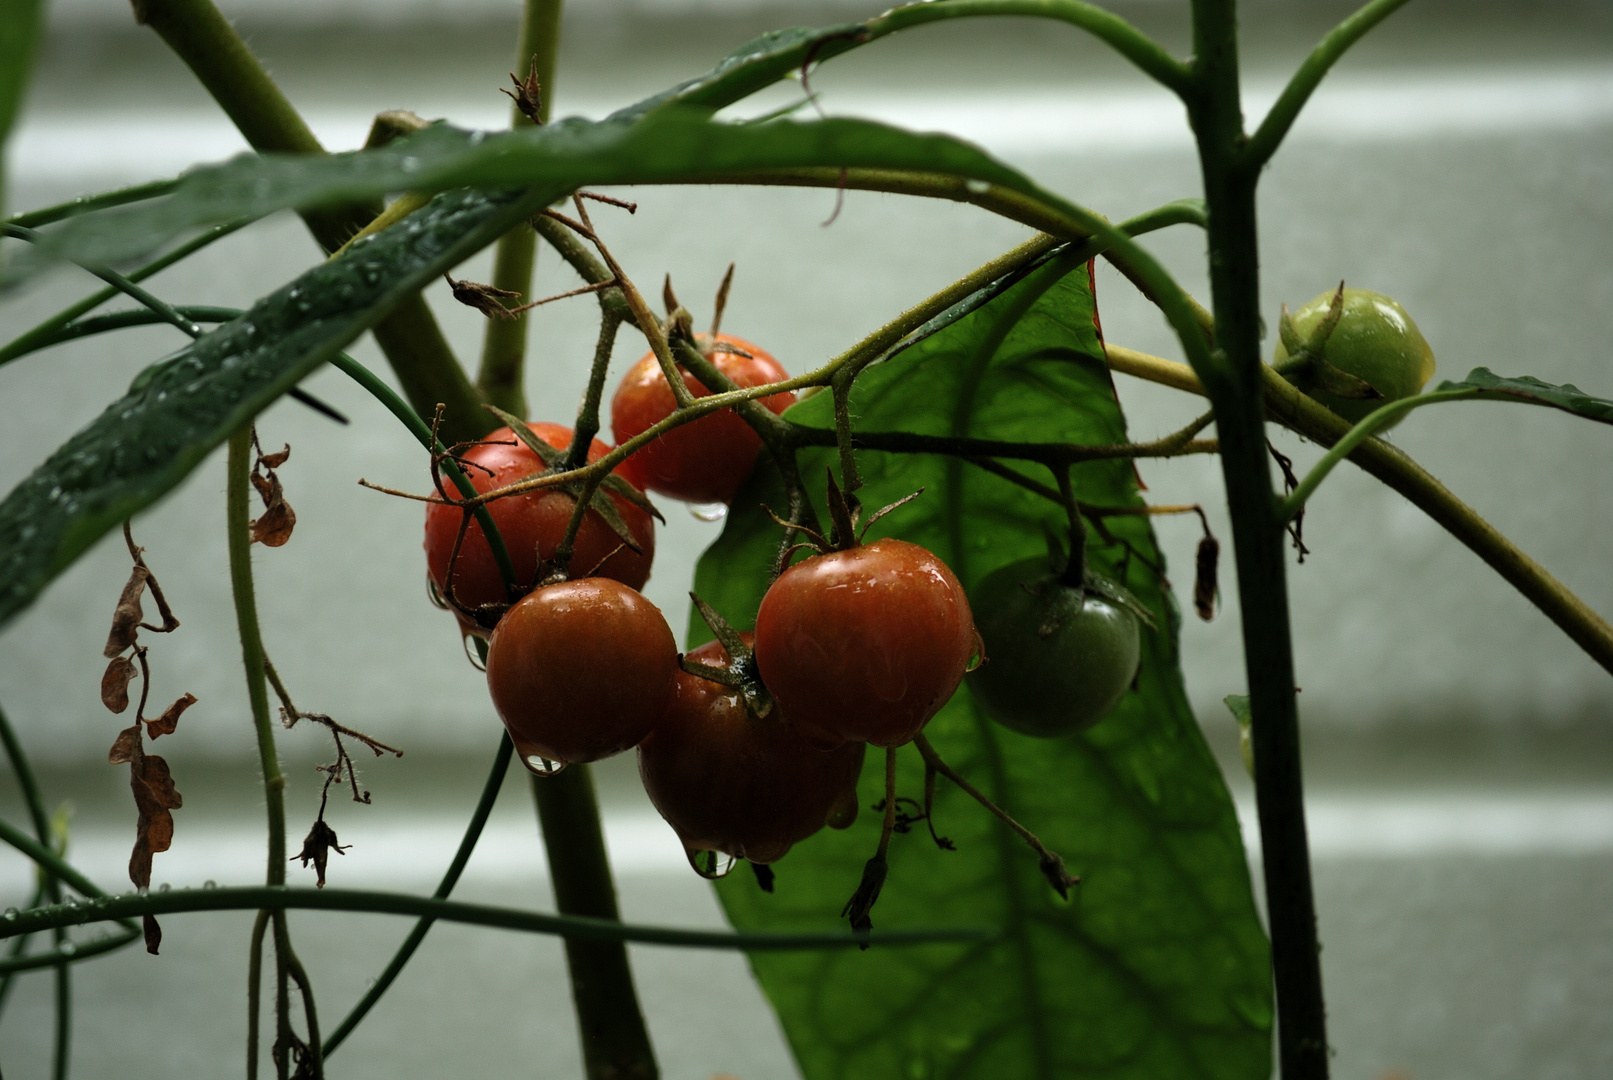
1151,967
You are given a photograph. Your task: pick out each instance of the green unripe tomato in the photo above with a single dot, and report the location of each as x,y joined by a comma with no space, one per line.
1058,659
1375,340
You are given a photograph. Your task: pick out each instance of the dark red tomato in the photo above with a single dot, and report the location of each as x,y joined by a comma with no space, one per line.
529,524
866,644
702,462
581,670
747,788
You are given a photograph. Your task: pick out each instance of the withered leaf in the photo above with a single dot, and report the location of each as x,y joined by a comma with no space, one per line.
165,724
115,683
273,529
276,459
153,934
316,848
126,747
528,94
154,796
126,617
1205,587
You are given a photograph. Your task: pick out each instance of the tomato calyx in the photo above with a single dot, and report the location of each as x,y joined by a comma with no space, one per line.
741,672
1069,570
847,528
1307,366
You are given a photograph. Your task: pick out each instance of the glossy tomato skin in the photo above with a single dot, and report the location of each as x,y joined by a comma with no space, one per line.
1374,340
708,460
1057,660
581,670
744,787
530,523
865,644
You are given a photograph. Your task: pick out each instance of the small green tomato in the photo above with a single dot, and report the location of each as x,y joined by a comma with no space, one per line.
1058,659
1375,340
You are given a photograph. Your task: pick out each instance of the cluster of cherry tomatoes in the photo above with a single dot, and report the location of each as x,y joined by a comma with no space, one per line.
749,747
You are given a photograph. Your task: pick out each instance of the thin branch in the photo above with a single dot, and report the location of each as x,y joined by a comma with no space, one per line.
1269,135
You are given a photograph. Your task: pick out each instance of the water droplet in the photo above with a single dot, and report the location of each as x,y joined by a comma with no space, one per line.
978,187
410,164
710,865
538,765
67,948
164,887
209,884
476,137
708,511
11,914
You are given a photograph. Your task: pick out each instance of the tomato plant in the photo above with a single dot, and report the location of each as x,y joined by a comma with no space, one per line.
702,462
1373,340
1058,656
749,787
994,395
531,524
867,643
580,670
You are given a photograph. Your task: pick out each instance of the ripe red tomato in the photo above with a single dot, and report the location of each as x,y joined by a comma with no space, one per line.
581,670
747,788
702,462
530,524
866,644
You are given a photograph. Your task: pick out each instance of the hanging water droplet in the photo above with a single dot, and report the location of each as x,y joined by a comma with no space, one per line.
708,511
710,865
538,765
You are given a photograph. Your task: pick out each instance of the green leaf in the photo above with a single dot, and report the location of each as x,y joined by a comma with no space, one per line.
1567,397
674,144
178,409
1157,966
20,21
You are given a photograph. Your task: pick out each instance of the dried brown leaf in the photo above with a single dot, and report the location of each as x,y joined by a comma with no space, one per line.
165,724
126,617
273,529
276,459
126,747
153,934
115,683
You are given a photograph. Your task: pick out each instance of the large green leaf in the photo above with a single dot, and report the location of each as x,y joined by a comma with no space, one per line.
674,144
1158,966
178,409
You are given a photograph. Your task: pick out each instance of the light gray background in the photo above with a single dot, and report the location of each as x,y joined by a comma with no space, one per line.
1459,747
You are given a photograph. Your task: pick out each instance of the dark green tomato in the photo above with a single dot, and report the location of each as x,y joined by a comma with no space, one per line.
1057,659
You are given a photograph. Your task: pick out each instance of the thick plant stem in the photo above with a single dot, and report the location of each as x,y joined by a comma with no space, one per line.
411,339
1233,382
615,1043
504,342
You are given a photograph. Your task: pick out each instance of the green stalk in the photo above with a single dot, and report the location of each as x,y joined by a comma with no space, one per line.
504,344
222,62
280,898
1233,383
50,888
467,844
615,1042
